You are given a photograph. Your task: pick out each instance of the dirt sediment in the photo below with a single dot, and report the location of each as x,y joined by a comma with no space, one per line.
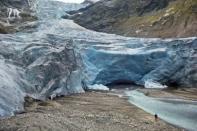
91,111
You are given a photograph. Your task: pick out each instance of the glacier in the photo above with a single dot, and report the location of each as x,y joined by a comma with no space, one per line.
59,57
170,62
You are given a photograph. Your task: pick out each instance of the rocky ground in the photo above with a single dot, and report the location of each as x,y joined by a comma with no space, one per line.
91,111
16,15
144,18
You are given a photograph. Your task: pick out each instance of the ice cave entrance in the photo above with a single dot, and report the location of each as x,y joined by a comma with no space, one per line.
121,84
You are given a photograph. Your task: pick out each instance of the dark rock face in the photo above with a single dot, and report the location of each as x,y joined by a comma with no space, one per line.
109,11
14,3
14,14
144,18
150,5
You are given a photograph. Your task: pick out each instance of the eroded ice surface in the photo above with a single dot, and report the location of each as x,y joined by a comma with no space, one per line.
57,56
139,60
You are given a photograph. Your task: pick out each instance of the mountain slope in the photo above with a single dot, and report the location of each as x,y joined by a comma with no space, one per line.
14,15
145,18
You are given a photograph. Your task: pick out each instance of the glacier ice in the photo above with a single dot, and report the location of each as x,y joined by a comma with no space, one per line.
167,62
38,70
152,84
98,87
11,88
91,1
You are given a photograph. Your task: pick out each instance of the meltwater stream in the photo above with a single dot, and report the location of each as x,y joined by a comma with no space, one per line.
175,111
59,57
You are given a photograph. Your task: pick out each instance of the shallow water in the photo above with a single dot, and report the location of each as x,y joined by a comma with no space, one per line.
178,112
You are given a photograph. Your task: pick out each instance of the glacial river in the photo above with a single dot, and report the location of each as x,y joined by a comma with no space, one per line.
179,112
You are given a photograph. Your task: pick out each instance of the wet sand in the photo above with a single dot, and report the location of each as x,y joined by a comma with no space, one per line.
91,111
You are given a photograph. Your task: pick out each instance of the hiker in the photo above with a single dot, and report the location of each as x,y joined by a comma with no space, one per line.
156,117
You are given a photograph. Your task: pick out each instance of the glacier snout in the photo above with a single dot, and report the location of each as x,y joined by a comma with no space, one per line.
168,62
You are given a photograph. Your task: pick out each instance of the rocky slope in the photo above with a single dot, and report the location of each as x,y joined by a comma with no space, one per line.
15,15
144,18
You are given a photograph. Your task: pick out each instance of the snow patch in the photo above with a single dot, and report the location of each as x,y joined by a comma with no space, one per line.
98,87
13,12
153,84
